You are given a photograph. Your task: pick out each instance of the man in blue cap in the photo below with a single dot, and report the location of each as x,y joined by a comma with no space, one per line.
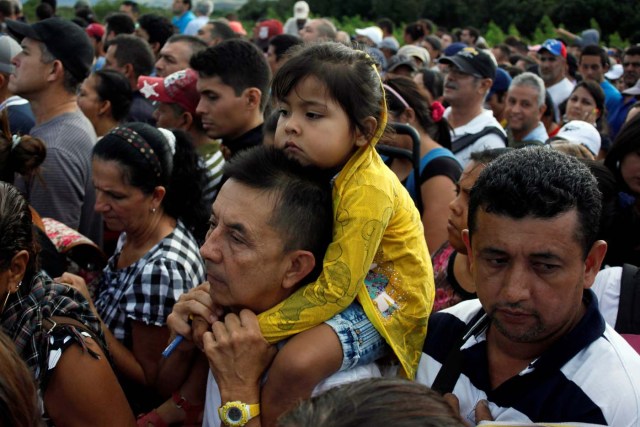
553,69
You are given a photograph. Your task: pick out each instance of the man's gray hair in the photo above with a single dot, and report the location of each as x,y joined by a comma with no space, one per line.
203,8
533,81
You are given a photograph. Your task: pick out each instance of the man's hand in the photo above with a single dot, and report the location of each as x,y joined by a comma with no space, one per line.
238,356
192,316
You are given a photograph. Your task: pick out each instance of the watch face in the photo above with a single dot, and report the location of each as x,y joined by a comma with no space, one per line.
234,414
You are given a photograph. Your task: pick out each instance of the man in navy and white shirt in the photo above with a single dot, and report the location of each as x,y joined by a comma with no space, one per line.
540,350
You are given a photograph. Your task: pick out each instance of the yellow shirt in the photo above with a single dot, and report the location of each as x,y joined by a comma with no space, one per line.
378,254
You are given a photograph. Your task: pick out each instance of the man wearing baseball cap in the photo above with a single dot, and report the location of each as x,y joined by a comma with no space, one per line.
56,58
552,57
176,98
470,75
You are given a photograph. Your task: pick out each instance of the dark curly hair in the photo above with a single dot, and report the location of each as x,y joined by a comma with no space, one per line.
540,183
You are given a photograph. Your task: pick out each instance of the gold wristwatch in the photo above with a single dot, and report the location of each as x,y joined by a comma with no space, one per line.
237,414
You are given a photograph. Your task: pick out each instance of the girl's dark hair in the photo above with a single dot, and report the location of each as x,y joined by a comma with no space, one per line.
16,233
182,174
409,90
627,141
115,87
348,74
25,157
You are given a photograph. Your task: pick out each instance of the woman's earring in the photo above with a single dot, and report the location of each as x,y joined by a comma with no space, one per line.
7,297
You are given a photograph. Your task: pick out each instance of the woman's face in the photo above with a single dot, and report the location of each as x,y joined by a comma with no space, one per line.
582,106
89,101
123,206
459,207
630,171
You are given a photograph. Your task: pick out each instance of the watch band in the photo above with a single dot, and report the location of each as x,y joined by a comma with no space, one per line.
237,414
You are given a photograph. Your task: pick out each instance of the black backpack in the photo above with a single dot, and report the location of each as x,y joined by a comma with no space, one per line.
628,320
466,140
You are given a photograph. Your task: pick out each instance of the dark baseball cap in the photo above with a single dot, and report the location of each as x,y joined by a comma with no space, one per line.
66,41
472,61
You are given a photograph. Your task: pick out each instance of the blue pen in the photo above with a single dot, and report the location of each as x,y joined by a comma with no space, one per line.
176,342
172,346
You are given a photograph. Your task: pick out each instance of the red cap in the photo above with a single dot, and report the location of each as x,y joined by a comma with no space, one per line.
95,31
269,28
177,88
237,28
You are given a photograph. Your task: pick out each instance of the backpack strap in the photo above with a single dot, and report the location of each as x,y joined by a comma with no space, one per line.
450,370
628,319
410,183
466,140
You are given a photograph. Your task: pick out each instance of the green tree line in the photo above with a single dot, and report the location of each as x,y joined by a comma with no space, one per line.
618,20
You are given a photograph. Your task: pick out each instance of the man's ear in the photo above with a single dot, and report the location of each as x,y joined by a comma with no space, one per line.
186,121
541,110
253,95
593,262
485,85
128,71
57,71
300,264
155,48
370,125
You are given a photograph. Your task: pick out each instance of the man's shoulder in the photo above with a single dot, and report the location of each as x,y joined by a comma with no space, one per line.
66,130
447,326
478,124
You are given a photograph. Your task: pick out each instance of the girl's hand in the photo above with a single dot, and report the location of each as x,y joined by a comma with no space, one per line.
78,284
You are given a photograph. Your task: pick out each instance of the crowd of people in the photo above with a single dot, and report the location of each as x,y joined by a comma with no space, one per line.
296,226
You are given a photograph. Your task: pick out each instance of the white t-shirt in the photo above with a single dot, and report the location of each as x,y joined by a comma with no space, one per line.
213,400
483,120
559,92
607,289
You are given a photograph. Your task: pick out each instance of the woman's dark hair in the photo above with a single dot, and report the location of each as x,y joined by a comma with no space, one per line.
18,396
415,31
432,81
22,155
16,233
627,141
409,90
114,87
349,75
182,173
374,402
609,190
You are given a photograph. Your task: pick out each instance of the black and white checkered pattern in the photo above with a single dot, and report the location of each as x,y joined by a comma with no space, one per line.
147,290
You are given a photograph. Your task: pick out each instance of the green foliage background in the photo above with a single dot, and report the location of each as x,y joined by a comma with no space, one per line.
533,20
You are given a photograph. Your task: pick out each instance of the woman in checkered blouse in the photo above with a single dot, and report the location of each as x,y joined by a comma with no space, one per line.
148,187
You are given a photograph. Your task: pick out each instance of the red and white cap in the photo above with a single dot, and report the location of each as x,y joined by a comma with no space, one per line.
177,88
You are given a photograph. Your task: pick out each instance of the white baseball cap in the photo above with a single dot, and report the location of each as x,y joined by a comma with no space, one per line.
373,33
580,132
301,10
